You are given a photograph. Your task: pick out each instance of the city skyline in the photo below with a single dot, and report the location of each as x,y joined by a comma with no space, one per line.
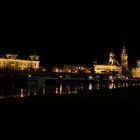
53,55
67,44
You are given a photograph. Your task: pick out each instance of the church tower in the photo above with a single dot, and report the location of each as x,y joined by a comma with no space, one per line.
112,58
124,58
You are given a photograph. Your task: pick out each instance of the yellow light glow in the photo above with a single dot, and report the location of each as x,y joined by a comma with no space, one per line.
90,86
21,93
12,62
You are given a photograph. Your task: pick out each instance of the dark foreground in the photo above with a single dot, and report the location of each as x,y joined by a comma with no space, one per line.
104,113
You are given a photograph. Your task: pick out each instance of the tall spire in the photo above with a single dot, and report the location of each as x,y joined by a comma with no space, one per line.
123,42
124,56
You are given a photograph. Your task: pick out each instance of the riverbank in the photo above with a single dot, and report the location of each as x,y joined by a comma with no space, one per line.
105,113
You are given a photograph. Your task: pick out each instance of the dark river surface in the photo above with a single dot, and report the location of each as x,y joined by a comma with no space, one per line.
33,89
76,111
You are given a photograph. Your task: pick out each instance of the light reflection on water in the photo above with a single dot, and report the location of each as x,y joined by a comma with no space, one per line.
59,88
90,86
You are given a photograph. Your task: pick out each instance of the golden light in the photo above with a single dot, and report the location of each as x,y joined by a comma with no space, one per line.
90,86
21,93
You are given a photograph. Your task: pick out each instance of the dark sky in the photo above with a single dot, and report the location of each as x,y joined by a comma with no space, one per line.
20,4
55,3
89,43
60,40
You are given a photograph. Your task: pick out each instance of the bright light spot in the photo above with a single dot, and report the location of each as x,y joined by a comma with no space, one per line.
61,88
111,86
111,78
90,86
21,93
29,75
43,90
57,70
90,77
35,92
28,93
56,90
61,76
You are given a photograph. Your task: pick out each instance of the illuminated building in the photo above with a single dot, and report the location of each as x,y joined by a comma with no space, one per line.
72,69
112,65
136,71
11,61
107,68
57,70
112,58
76,69
124,58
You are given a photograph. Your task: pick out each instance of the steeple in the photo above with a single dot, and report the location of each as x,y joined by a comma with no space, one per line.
112,57
124,56
123,42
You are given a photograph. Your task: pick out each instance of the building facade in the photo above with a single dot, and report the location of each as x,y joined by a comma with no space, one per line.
72,69
136,71
112,65
101,69
11,61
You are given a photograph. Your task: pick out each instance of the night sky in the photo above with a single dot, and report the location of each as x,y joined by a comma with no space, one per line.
55,4
20,4
86,44
59,41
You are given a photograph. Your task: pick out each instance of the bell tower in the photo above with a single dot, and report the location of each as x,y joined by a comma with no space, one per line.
124,57
112,58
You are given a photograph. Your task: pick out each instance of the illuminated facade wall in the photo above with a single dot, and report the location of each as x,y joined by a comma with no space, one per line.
72,69
57,70
76,69
107,68
18,64
111,67
136,71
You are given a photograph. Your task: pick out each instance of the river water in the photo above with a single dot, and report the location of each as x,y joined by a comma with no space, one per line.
58,88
